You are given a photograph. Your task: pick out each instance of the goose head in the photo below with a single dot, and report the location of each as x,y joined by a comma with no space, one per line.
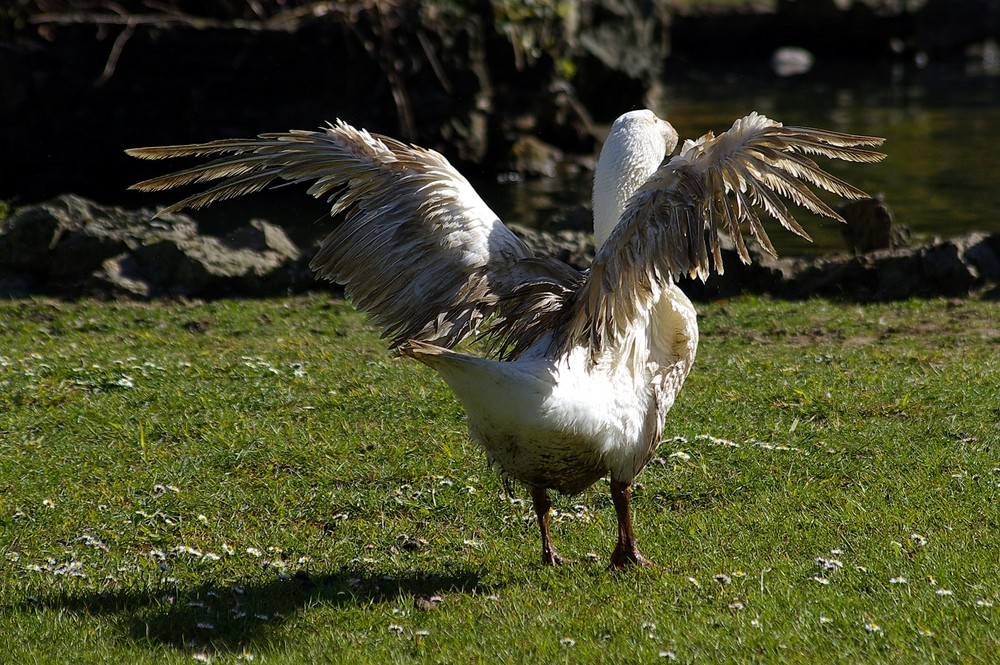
634,149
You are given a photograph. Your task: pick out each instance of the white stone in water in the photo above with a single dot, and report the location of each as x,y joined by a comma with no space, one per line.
791,60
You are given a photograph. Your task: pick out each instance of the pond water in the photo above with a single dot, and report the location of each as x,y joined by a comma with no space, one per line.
941,124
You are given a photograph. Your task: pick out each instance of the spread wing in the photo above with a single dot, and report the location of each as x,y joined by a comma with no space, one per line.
415,246
670,226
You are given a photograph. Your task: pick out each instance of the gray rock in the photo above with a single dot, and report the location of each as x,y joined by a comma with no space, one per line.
73,246
124,275
938,268
247,261
70,246
16,285
791,61
27,238
983,252
944,269
764,274
869,226
532,156
575,248
62,242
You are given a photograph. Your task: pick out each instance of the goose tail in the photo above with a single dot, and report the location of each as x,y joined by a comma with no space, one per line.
437,357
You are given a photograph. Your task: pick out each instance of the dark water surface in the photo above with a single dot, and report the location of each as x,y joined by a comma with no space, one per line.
941,124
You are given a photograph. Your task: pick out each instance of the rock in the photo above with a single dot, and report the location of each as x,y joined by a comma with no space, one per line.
260,235
531,156
791,61
944,269
983,252
622,44
27,237
896,276
16,285
241,263
576,218
764,274
869,226
575,248
124,275
73,246
63,241
940,268
853,278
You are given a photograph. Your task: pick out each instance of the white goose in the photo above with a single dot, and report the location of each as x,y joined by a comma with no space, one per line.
585,366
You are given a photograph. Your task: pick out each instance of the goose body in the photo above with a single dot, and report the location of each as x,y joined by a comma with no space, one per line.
563,421
585,366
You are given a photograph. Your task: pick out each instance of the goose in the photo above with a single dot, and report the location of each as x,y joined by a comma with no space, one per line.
580,368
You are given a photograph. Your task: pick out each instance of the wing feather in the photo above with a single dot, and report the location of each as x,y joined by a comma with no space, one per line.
670,226
415,246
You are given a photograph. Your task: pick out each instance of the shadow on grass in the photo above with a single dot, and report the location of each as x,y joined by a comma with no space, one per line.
231,619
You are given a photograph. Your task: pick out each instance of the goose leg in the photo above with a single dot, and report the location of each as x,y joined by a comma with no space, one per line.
542,506
626,550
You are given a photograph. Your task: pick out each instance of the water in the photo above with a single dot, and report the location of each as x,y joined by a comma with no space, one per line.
941,176
941,124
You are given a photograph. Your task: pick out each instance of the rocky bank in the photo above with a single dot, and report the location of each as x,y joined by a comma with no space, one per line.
73,247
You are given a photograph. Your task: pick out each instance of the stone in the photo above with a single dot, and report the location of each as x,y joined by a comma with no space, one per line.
575,248
944,269
123,275
63,241
16,285
983,252
71,246
791,61
532,156
869,226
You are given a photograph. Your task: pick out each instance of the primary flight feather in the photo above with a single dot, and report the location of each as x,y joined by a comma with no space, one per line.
584,366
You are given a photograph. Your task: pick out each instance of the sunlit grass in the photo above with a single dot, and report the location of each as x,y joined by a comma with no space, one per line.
260,480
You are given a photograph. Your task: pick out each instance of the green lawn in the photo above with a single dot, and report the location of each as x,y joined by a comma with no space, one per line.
260,480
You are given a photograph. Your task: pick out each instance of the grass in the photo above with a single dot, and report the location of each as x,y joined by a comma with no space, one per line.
260,480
